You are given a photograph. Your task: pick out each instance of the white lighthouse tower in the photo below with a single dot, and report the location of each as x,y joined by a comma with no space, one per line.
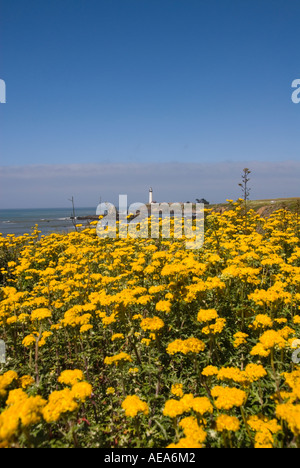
150,195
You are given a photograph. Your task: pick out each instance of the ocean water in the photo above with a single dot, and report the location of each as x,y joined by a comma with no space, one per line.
49,220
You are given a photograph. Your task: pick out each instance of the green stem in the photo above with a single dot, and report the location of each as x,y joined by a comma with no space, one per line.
246,424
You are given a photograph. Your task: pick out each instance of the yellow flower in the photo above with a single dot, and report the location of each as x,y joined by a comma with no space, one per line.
29,340
264,429
240,339
280,320
176,390
70,377
137,317
285,332
228,397
184,443
85,328
187,401
152,323
254,372
144,299
11,320
292,379
21,411
59,402
43,338
134,405
207,315
9,425
296,319
110,391
163,306
23,317
26,381
146,341
259,350
192,430
231,373
275,293
40,314
156,289
16,396
6,380
81,391
263,439
227,423
202,405
169,296
121,357
190,345
173,408
209,371
117,336
108,320
291,415
260,422
214,328
271,338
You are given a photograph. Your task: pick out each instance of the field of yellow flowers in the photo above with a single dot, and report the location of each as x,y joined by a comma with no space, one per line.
128,343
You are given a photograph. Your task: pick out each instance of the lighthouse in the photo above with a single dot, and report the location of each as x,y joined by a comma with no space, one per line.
150,195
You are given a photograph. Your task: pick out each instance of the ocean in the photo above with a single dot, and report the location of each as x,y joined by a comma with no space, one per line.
49,220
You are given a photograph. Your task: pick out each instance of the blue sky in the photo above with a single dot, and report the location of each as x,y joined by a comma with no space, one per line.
132,83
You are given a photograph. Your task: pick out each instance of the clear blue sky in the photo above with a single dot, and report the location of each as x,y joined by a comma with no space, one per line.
138,81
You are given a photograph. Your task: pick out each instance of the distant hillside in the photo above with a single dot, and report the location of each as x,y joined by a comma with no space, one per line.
265,207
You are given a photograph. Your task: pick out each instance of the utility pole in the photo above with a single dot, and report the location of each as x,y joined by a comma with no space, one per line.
73,217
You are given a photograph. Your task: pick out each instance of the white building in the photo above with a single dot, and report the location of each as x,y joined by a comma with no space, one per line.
150,195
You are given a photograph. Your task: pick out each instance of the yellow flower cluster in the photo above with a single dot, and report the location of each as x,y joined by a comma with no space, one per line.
262,321
195,435
117,358
224,422
59,402
117,336
152,323
264,430
220,322
186,403
240,339
6,380
133,405
177,390
23,411
289,409
228,397
70,377
268,340
190,345
275,293
163,306
68,399
252,373
40,314
208,316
